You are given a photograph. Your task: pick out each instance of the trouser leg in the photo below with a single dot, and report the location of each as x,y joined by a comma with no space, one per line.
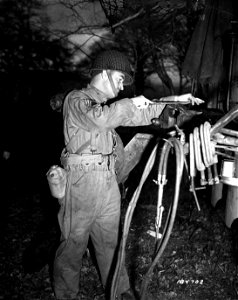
104,236
68,262
75,219
92,207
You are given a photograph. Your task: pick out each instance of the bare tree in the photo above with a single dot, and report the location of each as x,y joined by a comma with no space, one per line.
153,33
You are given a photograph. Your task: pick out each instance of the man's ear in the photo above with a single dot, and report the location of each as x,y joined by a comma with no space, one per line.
104,74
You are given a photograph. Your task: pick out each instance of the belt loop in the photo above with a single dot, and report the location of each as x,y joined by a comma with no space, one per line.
93,141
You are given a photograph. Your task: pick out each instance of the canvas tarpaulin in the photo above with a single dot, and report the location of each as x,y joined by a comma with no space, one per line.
204,58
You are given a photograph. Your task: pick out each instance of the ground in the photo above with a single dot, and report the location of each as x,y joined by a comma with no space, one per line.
198,262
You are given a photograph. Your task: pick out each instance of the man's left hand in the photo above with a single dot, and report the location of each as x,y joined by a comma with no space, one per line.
189,99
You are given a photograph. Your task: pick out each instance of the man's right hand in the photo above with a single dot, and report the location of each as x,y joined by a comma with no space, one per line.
141,102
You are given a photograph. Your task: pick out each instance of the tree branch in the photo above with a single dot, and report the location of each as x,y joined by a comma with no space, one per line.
128,19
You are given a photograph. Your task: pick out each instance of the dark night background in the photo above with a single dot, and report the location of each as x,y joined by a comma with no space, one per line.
40,63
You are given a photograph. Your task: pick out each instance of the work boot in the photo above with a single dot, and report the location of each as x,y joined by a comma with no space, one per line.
128,295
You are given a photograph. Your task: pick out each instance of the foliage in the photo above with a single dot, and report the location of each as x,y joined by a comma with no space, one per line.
164,39
154,33
156,38
26,43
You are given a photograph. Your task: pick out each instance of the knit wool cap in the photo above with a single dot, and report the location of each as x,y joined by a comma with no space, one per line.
113,60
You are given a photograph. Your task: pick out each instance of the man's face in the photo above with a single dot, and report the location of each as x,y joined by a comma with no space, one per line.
116,85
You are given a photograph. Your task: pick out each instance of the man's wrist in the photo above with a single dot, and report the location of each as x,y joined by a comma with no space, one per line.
169,99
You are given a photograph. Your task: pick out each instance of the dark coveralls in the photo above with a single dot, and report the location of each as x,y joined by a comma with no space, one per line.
91,206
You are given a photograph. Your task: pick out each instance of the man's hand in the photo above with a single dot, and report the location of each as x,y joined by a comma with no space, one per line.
189,98
141,102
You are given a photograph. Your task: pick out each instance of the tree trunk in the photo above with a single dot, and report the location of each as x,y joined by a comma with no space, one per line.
161,71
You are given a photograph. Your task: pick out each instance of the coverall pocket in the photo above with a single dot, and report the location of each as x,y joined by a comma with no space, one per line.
77,177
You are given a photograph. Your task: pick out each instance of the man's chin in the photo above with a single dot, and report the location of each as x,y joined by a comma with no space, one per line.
114,95
117,93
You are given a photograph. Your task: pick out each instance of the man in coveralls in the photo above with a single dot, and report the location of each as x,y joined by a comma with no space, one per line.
91,206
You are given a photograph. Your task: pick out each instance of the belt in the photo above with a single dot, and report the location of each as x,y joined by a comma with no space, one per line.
87,159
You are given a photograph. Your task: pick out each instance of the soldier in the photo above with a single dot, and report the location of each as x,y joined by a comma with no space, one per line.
91,206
